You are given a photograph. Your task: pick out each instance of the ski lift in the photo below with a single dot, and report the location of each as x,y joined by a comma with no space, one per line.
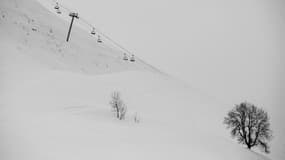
99,39
132,59
56,6
58,11
125,57
93,31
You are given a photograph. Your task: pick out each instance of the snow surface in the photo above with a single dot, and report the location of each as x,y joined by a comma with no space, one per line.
54,99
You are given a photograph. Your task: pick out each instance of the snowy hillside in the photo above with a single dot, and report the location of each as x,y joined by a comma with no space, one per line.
40,34
54,99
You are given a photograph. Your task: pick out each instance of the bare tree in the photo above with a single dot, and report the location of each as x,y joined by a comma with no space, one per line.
250,125
118,105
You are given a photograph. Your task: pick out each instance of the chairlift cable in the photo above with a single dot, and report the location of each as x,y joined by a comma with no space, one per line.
107,37
97,30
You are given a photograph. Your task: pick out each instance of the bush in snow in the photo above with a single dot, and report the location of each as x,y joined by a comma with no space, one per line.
136,118
118,105
250,125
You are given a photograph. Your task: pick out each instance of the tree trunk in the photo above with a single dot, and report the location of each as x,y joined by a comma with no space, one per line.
248,146
117,108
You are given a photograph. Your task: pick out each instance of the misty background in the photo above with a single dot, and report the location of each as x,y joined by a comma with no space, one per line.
232,50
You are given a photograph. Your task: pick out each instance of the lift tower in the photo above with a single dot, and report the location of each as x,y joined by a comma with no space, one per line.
72,15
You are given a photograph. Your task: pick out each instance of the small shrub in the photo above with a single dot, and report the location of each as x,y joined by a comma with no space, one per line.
118,105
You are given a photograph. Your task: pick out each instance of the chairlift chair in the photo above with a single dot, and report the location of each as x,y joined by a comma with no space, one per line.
132,59
58,11
93,31
56,6
99,39
125,57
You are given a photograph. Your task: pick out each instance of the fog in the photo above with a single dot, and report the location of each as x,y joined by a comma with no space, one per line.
232,50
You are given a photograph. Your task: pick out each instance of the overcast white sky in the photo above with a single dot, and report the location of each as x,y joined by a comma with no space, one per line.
232,49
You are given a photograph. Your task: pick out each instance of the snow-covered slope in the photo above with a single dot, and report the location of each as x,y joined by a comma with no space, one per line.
41,35
54,99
